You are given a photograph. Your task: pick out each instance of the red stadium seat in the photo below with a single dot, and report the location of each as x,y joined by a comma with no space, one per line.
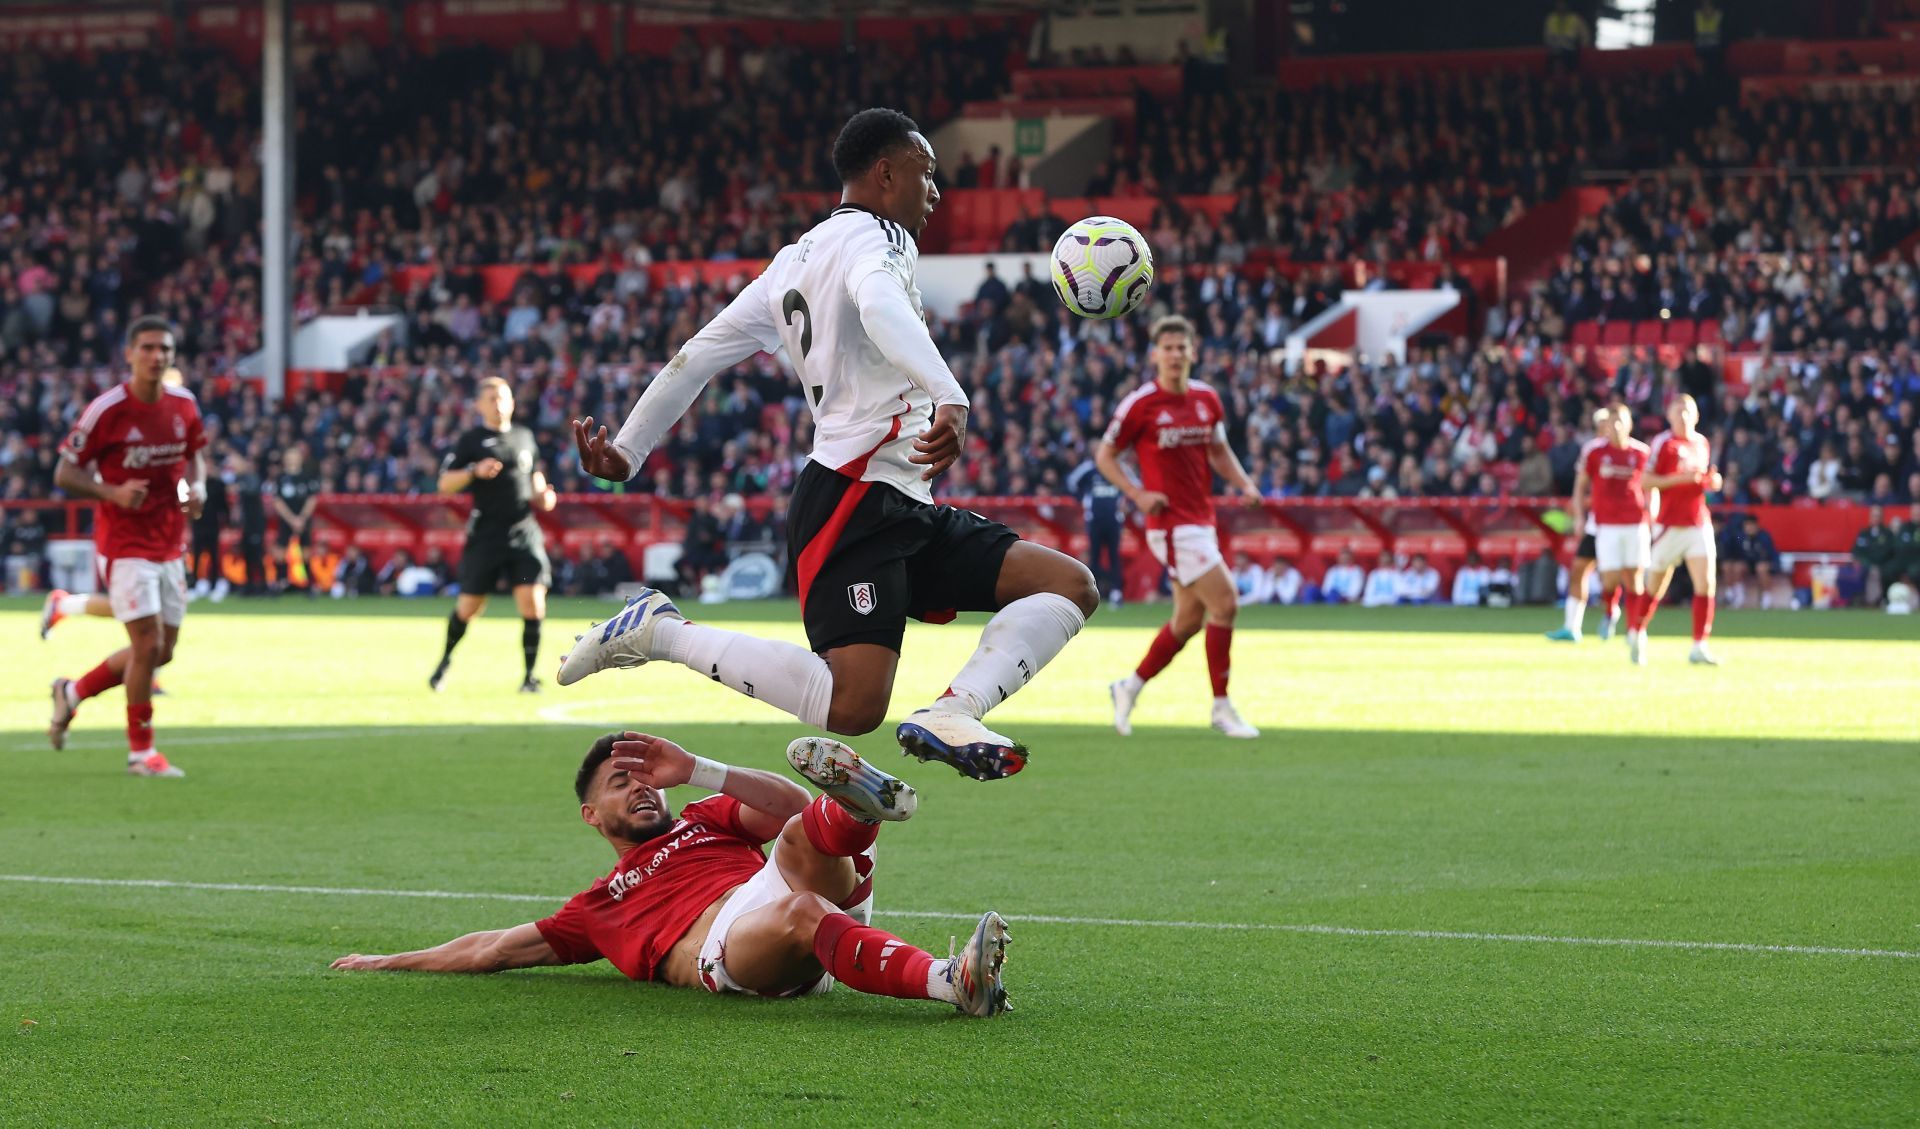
1617,333
1681,332
1586,333
1710,333
1647,332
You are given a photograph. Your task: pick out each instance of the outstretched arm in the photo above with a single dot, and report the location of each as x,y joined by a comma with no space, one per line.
731,337
496,950
767,800
1226,464
1107,458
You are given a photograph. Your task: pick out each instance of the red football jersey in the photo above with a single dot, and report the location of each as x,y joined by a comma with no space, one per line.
1686,504
1616,474
1169,434
124,438
635,915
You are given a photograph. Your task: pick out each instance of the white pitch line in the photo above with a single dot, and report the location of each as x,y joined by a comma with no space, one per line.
1041,919
186,740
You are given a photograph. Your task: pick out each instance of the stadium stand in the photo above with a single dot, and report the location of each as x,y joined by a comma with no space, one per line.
1756,248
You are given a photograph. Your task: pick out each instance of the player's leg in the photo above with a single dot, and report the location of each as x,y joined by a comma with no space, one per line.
1186,621
532,574
1043,599
846,544
824,855
844,690
1189,616
1664,556
531,601
1579,576
151,640
479,572
1108,563
465,607
61,604
1216,593
1610,613
68,693
806,916
1700,569
1040,599
782,947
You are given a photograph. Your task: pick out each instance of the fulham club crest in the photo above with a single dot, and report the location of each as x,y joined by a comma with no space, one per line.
861,597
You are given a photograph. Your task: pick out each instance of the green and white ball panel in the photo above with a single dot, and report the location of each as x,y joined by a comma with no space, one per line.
1102,268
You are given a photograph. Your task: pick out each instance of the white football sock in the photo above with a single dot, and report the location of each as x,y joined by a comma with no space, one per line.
783,675
1021,639
74,604
939,984
1576,612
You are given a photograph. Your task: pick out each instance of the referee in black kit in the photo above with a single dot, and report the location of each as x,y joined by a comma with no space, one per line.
497,463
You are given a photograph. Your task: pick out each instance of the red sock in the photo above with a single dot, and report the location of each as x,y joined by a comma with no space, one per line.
1648,607
1164,647
139,727
1613,602
871,960
1219,656
833,830
95,682
1702,618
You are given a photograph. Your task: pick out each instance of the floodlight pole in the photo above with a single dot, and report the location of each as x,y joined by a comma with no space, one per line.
276,239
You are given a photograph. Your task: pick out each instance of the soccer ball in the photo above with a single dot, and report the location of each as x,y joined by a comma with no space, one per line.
1102,268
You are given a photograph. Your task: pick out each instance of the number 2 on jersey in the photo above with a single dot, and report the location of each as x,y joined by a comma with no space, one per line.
797,302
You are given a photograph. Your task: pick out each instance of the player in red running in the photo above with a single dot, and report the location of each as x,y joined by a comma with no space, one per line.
61,604
1176,429
137,451
1580,572
1683,472
1613,472
696,904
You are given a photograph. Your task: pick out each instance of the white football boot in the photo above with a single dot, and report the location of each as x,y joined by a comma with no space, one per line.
960,740
838,771
153,764
1228,721
63,712
624,641
1700,656
1125,693
975,972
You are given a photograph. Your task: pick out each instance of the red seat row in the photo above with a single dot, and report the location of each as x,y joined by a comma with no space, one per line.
1683,333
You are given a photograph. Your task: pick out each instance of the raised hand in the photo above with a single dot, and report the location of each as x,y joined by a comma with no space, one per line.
598,456
652,760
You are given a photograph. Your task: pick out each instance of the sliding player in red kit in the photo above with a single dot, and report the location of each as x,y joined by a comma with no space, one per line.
1683,473
137,451
695,902
1176,428
1614,471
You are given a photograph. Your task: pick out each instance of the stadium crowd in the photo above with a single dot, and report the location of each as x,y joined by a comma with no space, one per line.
116,199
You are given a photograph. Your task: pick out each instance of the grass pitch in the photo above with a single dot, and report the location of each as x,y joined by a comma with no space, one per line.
1466,877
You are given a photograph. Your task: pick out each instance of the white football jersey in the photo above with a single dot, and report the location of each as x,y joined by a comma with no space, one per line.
866,409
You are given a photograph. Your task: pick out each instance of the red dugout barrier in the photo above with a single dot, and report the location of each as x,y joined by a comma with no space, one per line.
1310,532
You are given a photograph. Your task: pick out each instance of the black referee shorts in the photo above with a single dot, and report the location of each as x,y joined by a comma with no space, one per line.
488,564
864,557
